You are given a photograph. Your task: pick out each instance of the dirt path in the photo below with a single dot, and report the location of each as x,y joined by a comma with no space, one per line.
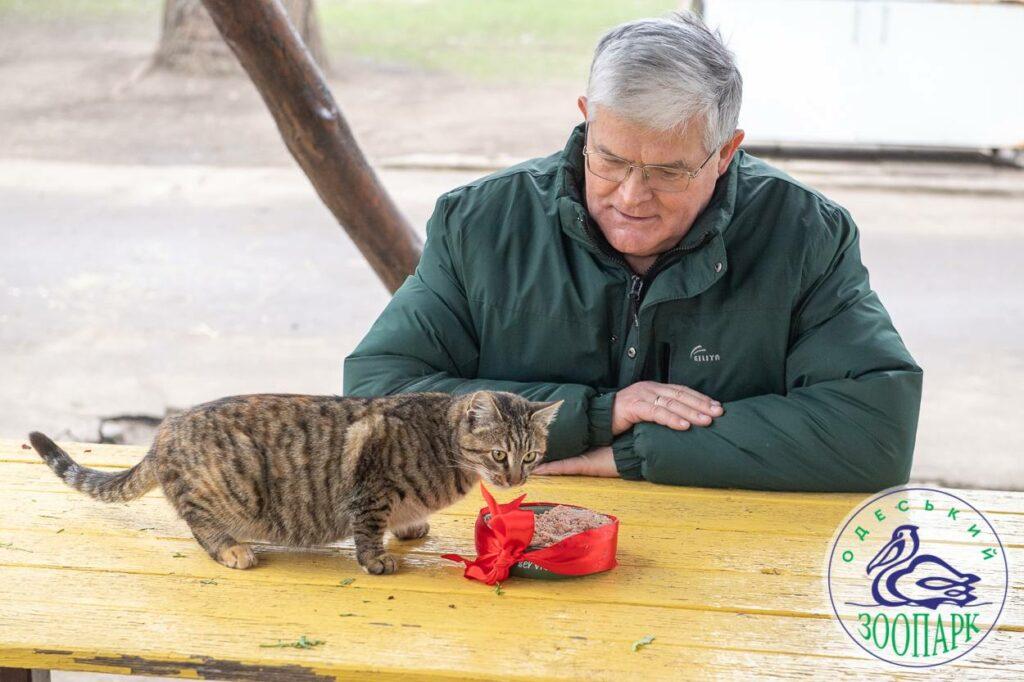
73,94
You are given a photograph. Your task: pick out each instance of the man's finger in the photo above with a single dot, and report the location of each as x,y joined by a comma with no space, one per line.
672,413
684,392
683,410
690,398
660,414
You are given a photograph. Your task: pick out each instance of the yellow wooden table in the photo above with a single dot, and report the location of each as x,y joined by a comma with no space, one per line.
729,584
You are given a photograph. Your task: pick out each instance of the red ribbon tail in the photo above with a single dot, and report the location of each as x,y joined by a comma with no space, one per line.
513,505
485,570
491,504
495,507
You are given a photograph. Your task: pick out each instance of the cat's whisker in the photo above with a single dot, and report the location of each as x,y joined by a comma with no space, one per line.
461,467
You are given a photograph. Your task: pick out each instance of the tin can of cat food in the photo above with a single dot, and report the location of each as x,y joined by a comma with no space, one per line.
584,553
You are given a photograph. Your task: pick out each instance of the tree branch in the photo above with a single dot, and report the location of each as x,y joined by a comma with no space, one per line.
291,84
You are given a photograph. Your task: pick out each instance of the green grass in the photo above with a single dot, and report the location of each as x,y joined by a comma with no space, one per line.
489,40
79,10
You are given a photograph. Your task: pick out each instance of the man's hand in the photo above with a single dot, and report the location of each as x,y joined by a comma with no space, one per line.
677,407
596,462
671,405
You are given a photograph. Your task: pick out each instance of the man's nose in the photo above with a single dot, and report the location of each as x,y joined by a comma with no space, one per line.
633,189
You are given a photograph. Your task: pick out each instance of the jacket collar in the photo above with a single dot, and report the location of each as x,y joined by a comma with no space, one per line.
702,259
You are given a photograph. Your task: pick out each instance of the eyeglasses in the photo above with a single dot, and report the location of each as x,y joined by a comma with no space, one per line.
658,178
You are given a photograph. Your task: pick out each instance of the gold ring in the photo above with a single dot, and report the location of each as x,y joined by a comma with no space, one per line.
656,399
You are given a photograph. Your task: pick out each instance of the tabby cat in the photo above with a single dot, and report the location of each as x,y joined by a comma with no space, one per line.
300,470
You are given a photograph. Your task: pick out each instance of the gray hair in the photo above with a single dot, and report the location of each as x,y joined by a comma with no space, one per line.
662,73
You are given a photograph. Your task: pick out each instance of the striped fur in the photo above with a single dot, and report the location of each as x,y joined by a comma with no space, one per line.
117,487
300,470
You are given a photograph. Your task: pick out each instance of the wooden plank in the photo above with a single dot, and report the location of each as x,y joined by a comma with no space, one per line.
671,587
688,569
655,545
124,602
639,545
104,616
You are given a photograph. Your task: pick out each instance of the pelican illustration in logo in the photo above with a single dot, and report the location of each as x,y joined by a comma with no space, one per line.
905,578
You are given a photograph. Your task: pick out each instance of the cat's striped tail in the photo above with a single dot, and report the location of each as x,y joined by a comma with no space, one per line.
101,485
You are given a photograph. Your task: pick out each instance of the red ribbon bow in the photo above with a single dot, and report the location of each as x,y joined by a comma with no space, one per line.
501,542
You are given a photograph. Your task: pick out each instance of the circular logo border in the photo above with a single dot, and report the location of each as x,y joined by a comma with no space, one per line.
887,493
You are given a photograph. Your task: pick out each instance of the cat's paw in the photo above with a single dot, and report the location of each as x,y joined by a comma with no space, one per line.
237,556
384,564
413,532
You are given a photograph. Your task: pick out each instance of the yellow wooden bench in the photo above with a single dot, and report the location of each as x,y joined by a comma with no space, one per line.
728,583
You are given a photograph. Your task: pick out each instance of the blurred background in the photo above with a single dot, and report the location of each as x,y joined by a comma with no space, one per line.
159,247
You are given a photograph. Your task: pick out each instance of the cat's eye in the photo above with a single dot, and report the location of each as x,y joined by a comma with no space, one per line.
529,457
498,455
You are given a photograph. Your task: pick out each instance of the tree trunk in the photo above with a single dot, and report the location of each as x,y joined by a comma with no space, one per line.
316,133
190,42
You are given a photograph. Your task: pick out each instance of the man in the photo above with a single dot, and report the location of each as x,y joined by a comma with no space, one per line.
706,318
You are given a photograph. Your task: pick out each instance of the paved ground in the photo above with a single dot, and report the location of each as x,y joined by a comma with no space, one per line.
131,289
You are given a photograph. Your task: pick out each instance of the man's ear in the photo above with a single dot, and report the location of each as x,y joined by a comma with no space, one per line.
729,150
582,104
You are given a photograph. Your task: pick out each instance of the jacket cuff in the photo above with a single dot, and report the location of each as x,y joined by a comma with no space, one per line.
628,463
599,414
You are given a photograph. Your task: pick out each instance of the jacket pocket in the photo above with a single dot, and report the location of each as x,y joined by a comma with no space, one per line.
658,366
726,356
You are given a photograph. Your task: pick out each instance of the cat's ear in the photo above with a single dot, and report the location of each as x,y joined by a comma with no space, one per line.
481,409
545,413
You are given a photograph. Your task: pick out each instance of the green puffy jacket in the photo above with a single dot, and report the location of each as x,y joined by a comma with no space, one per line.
764,305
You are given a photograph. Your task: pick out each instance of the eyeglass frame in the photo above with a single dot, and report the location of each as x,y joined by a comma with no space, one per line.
691,174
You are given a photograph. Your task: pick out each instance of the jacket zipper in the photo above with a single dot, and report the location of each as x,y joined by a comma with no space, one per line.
635,282
638,283
636,287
